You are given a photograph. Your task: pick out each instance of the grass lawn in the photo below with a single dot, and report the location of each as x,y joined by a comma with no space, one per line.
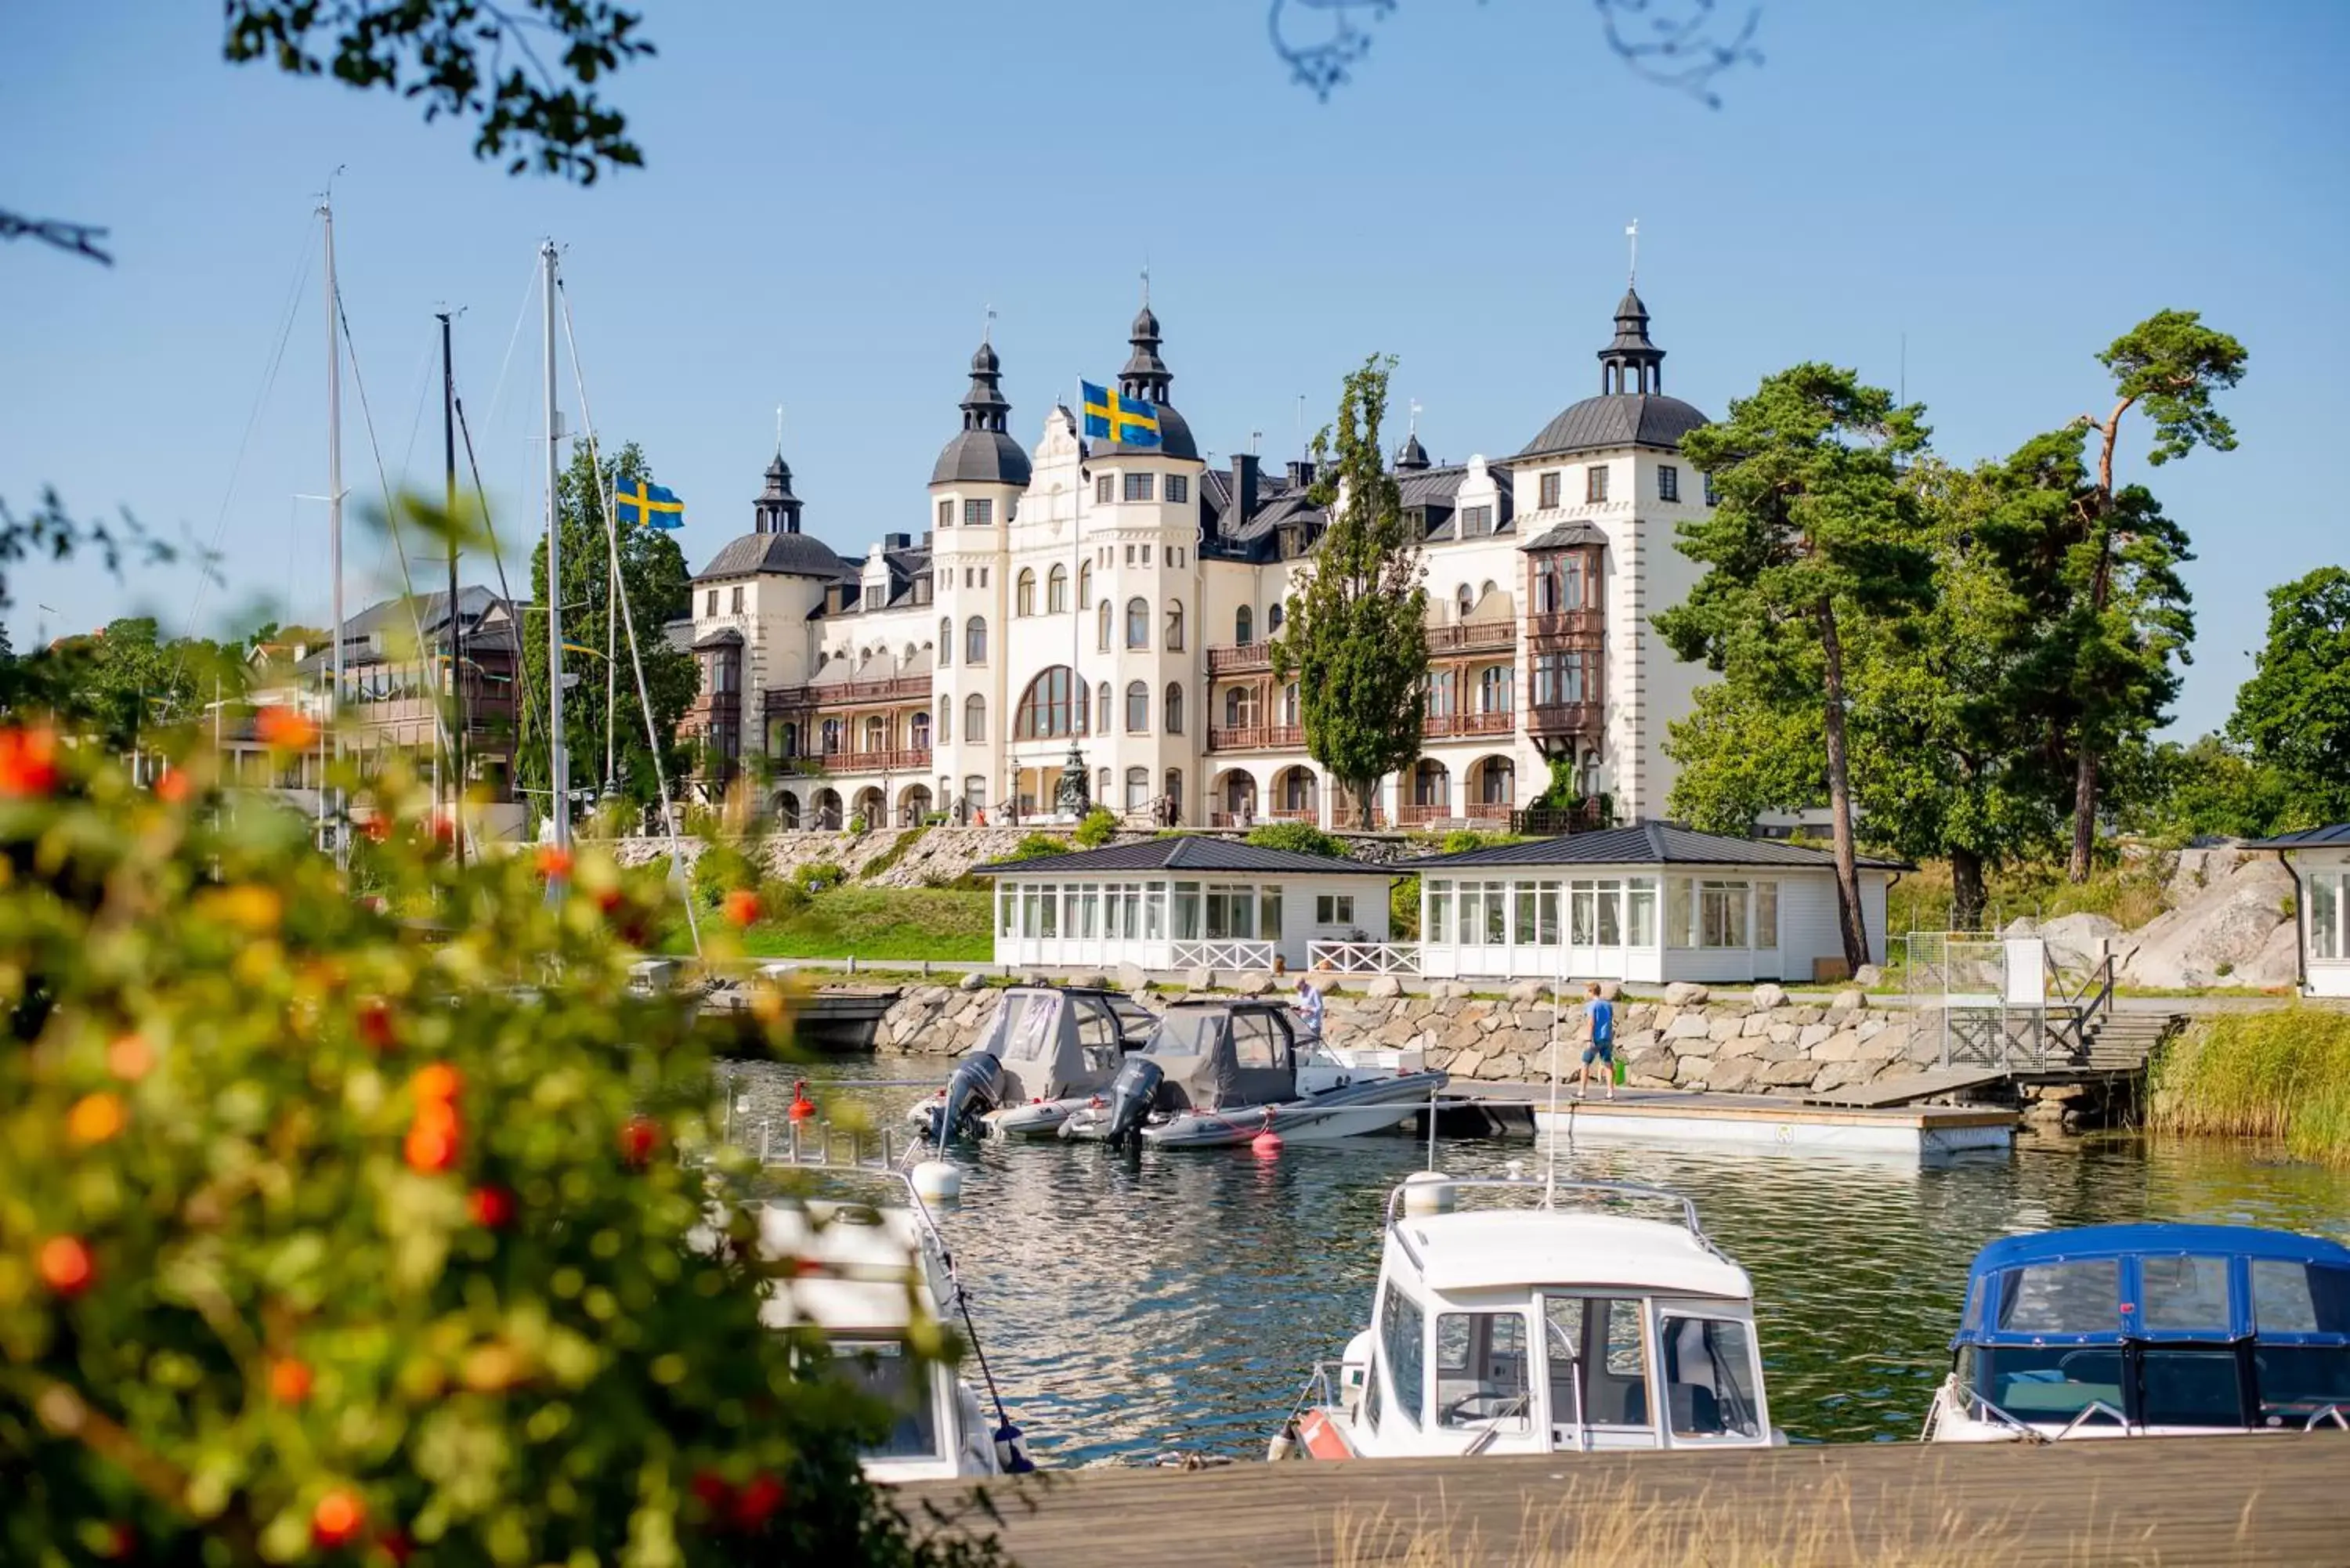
876,923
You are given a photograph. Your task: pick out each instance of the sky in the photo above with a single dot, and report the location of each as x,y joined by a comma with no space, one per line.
1963,201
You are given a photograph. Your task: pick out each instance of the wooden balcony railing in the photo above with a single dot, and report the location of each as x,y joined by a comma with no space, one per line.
1296,813
885,759
1486,811
1562,719
1441,725
1563,625
1550,821
848,693
1417,814
1240,659
1471,636
1254,737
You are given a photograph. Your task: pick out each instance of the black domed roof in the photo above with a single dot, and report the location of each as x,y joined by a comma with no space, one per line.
1616,420
1413,456
1146,378
982,452
792,555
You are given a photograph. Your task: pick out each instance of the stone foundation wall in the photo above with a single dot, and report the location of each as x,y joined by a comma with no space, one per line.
1688,1044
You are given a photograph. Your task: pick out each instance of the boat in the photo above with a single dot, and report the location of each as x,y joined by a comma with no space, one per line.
865,1273
1222,1073
2148,1330
1045,1053
1550,1320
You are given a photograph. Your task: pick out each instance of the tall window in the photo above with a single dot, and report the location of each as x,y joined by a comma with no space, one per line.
1178,489
1103,710
1549,488
1292,705
832,736
1464,600
735,602
978,512
1173,708
1085,586
974,641
876,733
946,514
1565,678
974,719
1669,483
1562,582
710,606
1101,489
1137,788
1139,486
1138,708
1595,483
946,720
1493,688
1057,591
946,642
1138,623
1024,593
1175,626
1046,708
1272,621
1102,617
1244,625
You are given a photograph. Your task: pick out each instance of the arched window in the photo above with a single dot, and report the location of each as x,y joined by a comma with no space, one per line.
1465,600
1175,626
1292,708
946,644
975,718
1174,793
1485,589
1244,625
1498,786
1171,713
974,643
1272,621
876,733
1138,623
1138,708
1101,788
1085,586
1102,638
1045,708
1057,591
1137,788
1236,707
1023,594
1493,688
831,737
946,720
918,731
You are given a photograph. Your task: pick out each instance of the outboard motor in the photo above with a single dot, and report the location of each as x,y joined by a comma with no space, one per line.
970,1093
1131,1095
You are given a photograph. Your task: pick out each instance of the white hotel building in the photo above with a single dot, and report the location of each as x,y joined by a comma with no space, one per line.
1122,598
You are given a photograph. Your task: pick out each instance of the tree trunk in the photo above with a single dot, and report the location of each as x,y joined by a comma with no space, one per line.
2084,772
1967,899
1362,793
2085,813
1847,874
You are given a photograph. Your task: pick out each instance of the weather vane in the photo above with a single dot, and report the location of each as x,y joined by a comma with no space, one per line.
1632,234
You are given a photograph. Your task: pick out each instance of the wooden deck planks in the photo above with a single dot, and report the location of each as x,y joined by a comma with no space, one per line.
2241,1500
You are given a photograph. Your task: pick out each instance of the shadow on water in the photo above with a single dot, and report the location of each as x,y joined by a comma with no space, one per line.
1135,1304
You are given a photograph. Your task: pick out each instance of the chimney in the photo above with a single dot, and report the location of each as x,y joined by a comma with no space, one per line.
1243,490
1301,474
896,541
927,535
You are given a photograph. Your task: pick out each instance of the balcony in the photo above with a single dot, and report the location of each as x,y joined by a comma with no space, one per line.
1420,814
848,693
1562,719
1241,658
1255,737
1554,821
1445,726
1579,626
1472,636
883,760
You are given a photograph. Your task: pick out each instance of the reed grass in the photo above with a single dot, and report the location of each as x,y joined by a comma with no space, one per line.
2283,1074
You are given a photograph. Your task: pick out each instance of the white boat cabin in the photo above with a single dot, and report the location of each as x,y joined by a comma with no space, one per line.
1651,902
1541,1329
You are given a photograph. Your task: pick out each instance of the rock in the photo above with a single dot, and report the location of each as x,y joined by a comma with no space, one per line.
2078,941
1685,993
1448,989
1787,1075
1732,1075
2223,927
1382,985
1811,1034
1689,1072
1094,982
1870,1028
1688,1026
1768,996
973,981
1638,1040
1842,1048
1610,990
2060,1091
1739,1047
1131,977
1782,1033
1526,992
1777,1050
2278,964
1465,1064
1868,977
1758,1024
1200,980
1253,985
1846,1001
1490,1020
1652,1068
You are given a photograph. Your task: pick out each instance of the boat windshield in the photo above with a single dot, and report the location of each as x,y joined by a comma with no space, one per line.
1708,1366
883,1371
1481,1371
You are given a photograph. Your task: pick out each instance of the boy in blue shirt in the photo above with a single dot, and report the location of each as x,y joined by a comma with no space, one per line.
1600,1014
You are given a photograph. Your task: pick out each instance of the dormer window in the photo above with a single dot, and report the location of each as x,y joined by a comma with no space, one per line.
1549,487
1476,522
978,514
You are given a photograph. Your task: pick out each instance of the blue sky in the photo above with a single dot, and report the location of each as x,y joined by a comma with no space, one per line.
834,193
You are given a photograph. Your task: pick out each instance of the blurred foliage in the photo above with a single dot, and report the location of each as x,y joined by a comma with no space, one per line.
330,1235
1298,838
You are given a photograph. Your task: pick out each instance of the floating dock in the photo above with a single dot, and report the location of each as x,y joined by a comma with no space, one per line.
2141,1500
1764,1121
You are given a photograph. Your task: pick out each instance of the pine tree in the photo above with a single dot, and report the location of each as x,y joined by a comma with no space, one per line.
1354,636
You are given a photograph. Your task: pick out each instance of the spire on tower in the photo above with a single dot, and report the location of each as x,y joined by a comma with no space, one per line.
1632,236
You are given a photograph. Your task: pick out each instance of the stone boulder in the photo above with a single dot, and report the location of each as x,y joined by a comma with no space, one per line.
1609,990
2221,933
1768,996
973,981
1449,990
1131,977
1526,992
1867,975
1846,1001
2076,941
1200,980
1685,993
1383,986
1253,985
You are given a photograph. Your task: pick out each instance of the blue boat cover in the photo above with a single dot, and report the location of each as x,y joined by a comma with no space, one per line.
2102,1284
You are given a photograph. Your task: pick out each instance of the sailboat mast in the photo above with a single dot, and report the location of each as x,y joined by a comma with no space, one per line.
558,770
456,621
335,525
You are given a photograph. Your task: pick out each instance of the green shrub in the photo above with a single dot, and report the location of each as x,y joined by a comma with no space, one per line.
1403,910
1298,838
818,876
1098,828
722,868
1036,846
780,898
1463,839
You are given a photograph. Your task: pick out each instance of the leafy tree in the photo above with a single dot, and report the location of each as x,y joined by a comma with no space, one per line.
1814,532
1099,826
119,685
1354,638
324,1243
1740,755
1298,838
2294,714
654,576
2206,788
2128,611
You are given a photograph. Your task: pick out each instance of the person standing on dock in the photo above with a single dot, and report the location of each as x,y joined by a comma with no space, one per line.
1599,1022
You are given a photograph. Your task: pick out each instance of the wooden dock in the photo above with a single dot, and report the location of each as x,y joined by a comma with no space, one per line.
2233,1500
1678,1116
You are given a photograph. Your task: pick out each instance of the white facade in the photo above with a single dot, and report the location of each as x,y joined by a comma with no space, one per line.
2322,869
1182,920
1123,599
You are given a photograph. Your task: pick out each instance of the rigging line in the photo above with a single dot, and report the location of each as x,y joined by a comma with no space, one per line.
627,615
498,391
244,442
497,556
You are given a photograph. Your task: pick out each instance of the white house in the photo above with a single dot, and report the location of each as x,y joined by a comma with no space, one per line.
1184,902
1649,902
2319,859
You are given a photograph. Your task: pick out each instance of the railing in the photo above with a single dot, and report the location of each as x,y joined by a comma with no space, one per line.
1254,737
1223,954
1552,821
1439,725
1562,719
1364,958
2084,1010
1468,637
1487,811
1247,816
1566,625
1294,814
1415,815
898,688
1239,659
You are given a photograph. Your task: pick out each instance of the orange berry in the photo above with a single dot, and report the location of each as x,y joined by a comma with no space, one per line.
742,906
639,1137
437,1082
431,1145
338,1517
28,761
285,729
65,1265
95,1117
493,1207
130,1058
289,1381
171,788
554,861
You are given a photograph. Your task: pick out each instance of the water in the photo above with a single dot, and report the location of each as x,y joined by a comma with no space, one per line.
1131,1307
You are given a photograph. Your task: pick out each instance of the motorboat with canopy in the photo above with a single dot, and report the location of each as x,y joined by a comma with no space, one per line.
2150,1330
1524,1316
1047,1051
1221,1073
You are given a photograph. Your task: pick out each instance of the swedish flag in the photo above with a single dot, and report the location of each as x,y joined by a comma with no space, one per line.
1130,421
648,505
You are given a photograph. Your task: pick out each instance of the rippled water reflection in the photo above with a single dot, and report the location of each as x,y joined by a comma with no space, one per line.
1176,1302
